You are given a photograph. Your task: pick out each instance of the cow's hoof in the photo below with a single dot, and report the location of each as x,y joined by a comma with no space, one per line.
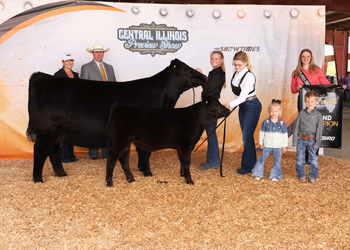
61,175
190,182
109,184
38,179
148,174
131,180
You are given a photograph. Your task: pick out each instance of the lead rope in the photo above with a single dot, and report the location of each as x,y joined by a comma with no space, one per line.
194,96
223,149
223,143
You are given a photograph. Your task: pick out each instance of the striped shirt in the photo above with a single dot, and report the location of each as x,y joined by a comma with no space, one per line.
273,135
309,124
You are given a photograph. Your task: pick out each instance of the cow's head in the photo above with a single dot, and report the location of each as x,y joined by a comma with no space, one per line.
197,78
215,108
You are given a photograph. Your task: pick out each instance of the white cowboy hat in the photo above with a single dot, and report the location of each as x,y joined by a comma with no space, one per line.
97,47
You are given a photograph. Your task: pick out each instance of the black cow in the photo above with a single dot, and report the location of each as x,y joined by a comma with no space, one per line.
76,111
152,129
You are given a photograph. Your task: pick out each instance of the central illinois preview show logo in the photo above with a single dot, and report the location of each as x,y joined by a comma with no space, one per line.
152,38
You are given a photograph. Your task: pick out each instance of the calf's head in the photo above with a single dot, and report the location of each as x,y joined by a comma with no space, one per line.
214,109
197,78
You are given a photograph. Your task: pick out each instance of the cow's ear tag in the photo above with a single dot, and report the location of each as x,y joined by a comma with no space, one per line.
174,66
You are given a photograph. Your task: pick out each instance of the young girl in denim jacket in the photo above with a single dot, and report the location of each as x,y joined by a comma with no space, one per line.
273,138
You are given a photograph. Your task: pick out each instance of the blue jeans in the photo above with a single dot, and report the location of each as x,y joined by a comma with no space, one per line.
276,171
213,158
302,147
67,153
347,95
93,152
249,114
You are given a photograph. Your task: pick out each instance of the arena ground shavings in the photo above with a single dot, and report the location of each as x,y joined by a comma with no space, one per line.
163,212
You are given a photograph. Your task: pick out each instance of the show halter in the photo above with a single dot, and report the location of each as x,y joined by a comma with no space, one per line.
194,95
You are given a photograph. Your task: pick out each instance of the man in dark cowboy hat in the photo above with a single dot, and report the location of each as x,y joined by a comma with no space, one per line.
99,71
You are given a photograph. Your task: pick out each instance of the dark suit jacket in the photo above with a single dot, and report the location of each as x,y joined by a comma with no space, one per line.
90,71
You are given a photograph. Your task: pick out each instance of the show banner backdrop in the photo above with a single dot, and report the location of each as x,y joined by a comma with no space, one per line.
330,104
143,39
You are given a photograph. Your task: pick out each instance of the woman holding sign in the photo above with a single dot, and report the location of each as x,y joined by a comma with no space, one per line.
307,73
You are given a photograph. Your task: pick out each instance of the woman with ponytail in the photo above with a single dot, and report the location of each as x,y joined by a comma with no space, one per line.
213,86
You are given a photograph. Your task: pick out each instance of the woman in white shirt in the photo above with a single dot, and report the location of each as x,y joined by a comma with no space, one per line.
243,86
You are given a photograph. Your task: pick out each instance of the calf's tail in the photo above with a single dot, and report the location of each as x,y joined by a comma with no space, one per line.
30,133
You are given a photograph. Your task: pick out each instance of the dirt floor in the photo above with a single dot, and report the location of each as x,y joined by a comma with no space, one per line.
163,212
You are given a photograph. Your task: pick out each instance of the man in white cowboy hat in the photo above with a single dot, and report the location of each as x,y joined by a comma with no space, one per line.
99,71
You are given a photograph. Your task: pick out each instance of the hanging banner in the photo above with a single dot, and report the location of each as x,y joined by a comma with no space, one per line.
143,39
330,104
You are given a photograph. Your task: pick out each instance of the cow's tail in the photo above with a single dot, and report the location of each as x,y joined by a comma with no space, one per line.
30,133
109,141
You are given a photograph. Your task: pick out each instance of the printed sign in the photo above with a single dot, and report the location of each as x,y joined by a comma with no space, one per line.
330,104
152,38
238,48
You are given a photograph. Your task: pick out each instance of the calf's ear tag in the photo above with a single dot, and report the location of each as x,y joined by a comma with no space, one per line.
174,66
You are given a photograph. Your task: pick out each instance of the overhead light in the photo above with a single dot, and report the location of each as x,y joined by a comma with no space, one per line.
135,9
294,12
163,11
190,13
267,13
241,13
322,11
27,6
2,6
216,13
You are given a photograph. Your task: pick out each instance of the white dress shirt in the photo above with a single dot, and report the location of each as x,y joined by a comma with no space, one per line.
246,87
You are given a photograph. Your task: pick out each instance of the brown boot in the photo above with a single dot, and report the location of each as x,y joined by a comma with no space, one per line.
311,180
302,180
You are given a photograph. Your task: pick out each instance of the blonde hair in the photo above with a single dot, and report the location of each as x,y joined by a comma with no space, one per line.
276,104
311,94
313,67
244,57
219,53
